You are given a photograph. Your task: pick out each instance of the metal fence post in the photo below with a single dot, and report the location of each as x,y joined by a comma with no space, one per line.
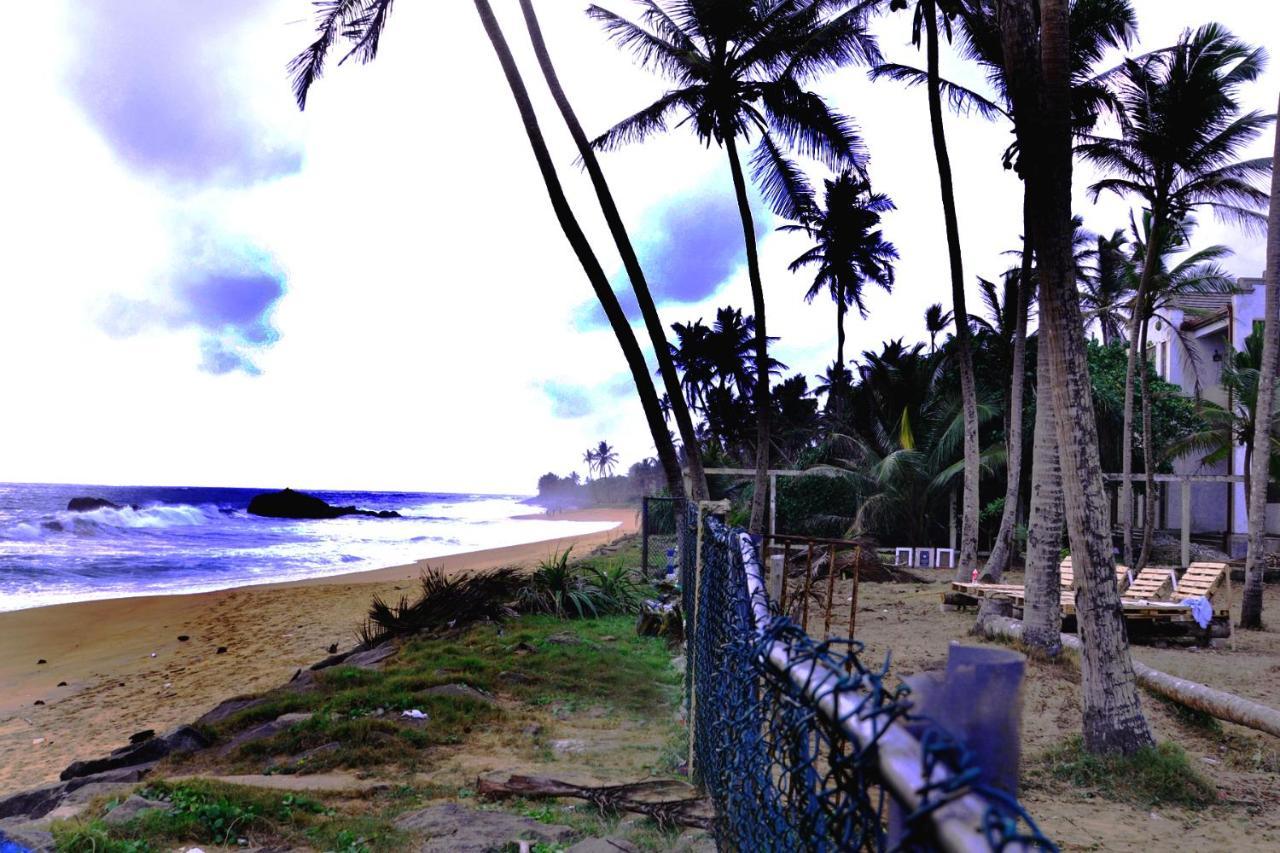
644,536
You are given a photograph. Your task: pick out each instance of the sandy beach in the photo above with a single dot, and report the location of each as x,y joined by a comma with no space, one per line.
125,669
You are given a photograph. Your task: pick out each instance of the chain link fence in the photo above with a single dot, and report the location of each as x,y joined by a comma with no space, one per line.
800,745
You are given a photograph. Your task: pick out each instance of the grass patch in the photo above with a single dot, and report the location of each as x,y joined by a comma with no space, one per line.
1160,775
534,660
212,813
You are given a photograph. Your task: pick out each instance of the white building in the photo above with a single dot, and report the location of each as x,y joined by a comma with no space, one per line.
1188,348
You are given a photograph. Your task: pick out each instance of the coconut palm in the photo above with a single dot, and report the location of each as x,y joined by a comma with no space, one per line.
589,458
1036,51
925,29
849,249
740,68
935,322
1255,557
675,405
1106,285
1194,273
606,459
1182,135
360,24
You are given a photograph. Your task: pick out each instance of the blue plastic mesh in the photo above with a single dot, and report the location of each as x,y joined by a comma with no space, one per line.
781,775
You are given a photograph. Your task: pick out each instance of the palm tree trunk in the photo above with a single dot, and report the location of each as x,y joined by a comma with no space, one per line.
1259,468
967,560
648,310
582,249
1040,87
1002,548
1042,611
1136,314
840,312
1148,458
761,399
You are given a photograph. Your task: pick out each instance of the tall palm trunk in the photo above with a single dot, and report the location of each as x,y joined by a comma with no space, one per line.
840,312
582,249
1042,612
1136,315
761,399
1148,458
648,310
1002,548
968,557
1259,468
1041,91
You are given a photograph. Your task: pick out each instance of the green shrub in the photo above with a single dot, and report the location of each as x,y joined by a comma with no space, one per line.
817,505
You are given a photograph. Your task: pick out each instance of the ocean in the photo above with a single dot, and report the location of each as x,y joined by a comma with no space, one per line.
182,540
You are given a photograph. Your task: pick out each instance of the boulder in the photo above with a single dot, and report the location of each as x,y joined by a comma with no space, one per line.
291,504
454,828
38,802
90,504
263,731
181,739
25,835
461,691
131,808
230,707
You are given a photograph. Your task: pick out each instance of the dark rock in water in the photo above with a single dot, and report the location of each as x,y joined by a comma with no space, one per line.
41,661
182,638
291,504
90,504
181,739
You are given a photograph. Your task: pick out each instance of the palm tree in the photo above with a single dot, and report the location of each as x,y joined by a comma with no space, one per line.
1037,59
591,461
361,23
1195,273
644,299
740,69
849,254
935,321
925,26
1182,136
1106,287
1255,559
606,459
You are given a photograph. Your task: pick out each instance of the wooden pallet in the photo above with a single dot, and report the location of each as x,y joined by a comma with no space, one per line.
1150,584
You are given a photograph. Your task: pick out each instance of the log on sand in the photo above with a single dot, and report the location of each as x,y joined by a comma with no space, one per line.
686,809
1200,697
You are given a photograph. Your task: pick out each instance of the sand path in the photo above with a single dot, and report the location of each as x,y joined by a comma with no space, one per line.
125,669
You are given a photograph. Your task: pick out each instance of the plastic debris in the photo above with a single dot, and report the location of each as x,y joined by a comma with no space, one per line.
414,714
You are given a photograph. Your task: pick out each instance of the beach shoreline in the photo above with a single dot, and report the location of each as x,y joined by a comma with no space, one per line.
125,669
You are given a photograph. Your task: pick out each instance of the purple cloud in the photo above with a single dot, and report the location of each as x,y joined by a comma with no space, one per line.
157,78
225,290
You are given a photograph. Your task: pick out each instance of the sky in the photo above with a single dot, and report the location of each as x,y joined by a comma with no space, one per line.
204,286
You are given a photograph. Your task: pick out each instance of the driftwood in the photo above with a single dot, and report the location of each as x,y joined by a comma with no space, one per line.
635,797
1200,697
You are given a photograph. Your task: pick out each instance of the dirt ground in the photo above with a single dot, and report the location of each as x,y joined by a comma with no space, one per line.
906,620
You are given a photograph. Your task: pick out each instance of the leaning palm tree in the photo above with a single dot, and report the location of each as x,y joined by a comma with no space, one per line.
849,250
591,461
1182,135
676,404
1037,61
361,23
740,68
925,28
